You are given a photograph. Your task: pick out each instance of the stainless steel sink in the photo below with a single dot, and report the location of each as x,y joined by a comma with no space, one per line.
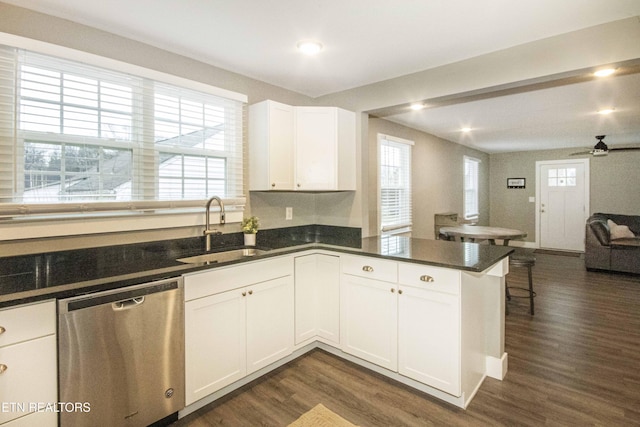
223,256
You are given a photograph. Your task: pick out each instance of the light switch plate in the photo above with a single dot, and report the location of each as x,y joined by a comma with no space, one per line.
288,214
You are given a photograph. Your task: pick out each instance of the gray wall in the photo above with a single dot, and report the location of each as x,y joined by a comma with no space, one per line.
614,185
437,177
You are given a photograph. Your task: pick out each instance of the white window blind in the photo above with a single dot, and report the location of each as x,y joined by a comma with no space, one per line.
471,184
79,137
395,183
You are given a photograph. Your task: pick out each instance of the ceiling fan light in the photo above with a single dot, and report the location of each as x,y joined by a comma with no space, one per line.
606,111
417,106
465,129
604,72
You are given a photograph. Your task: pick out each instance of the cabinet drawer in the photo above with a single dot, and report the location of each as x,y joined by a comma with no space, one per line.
428,277
30,375
372,268
216,280
26,322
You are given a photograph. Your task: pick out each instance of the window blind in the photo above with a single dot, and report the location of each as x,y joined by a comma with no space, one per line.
394,183
77,137
471,208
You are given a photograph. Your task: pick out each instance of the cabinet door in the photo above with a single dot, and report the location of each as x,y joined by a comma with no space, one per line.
270,319
271,153
328,297
306,268
30,377
368,320
215,343
316,148
281,146
317,298
429,338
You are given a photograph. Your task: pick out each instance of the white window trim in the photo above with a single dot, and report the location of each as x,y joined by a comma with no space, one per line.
476,215
400,228
93,218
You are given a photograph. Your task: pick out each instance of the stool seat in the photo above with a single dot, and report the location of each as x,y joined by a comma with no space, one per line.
522,260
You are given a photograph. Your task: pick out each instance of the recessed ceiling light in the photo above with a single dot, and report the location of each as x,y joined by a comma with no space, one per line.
417,106
465,129
309,47
604,72
605,111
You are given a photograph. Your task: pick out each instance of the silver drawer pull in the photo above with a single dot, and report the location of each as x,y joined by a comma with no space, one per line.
367,268
2,330
3,368
426,278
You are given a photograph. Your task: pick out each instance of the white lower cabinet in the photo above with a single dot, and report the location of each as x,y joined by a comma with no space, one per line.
369,320
269,322
429,338
317,298
231,333
28,365
408,323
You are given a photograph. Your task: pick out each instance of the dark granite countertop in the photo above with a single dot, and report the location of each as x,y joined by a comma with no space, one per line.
68,273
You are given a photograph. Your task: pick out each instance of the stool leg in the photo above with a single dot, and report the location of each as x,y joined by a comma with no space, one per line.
530,289
507,299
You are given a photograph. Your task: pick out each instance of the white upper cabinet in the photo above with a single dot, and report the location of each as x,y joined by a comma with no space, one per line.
271,150
301,148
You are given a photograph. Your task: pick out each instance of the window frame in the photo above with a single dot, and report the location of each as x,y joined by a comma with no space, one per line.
66,219
404,223
140,151
475,192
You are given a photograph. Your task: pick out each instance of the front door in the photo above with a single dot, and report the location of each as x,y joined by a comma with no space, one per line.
563,204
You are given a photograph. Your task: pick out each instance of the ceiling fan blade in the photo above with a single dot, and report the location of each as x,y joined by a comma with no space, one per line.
624,149
582,153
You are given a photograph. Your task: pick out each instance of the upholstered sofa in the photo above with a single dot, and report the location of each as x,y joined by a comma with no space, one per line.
613,243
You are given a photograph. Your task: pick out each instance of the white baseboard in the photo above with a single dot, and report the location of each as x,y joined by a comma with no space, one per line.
497,368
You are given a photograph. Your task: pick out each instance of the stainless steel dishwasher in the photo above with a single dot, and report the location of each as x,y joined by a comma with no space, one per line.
121,355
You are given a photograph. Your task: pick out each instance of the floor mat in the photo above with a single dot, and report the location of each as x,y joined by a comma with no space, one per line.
320,416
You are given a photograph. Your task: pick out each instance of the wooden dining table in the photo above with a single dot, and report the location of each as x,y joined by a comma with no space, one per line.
479,233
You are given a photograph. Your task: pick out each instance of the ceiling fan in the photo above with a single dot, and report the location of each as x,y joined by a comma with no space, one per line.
601,149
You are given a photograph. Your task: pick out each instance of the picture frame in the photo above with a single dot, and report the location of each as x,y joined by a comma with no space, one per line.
516,182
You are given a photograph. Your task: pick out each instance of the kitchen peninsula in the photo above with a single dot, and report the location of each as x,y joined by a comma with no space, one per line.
386,301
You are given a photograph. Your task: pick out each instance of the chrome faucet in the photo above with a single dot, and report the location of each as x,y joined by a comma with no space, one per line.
207,230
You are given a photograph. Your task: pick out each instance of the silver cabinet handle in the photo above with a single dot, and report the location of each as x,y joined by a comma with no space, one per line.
426,278
2,330
3,368
367,268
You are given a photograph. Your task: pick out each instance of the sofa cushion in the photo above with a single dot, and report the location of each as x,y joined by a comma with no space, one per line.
630,242
600,230
619,231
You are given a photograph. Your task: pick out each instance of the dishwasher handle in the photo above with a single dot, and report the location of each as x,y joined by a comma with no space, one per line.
127,304
119,298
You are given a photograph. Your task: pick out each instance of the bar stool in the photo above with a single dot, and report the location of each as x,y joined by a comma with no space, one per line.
522,260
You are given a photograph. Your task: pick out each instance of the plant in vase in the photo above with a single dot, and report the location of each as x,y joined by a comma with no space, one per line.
250,228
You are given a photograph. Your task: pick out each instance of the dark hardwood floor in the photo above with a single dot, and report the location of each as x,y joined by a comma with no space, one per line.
575,363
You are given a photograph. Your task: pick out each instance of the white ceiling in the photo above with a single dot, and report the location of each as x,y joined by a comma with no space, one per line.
367,41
